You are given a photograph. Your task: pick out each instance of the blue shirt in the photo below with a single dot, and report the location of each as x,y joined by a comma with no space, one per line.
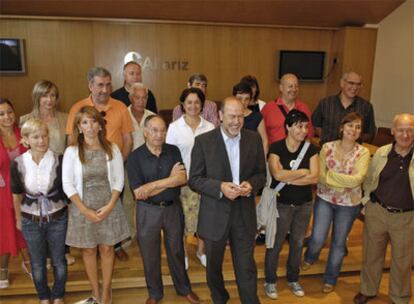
233,153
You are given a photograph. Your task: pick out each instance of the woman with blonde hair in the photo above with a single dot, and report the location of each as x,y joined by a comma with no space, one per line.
41,208
11,239
45,96
93,178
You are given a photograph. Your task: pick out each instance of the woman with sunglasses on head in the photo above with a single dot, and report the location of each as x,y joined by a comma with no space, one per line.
11,239
41,208
344,164
93,178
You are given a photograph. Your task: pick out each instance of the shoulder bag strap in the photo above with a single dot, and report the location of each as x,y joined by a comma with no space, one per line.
296,165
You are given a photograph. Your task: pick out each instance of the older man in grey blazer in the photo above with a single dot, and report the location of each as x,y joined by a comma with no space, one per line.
228,168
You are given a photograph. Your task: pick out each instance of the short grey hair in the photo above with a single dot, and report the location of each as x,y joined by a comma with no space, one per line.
346,74
199,77
137,86
97,71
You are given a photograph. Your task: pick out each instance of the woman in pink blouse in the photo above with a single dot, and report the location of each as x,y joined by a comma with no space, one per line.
343,166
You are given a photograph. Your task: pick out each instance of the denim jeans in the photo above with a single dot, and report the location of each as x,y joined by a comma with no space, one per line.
342,218
41,239
296,220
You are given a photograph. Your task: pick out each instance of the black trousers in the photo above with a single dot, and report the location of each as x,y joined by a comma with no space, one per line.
242,244
151,220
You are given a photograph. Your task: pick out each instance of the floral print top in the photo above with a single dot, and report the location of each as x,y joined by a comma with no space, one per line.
341,175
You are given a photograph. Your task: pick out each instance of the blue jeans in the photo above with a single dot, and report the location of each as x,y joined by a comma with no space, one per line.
41,239
342,218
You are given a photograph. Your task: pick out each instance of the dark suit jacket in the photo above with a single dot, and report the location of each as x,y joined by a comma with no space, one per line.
210,166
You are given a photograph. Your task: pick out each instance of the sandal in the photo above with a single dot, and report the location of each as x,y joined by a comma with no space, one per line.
26,270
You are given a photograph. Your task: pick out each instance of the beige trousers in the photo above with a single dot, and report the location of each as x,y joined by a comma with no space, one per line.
380,228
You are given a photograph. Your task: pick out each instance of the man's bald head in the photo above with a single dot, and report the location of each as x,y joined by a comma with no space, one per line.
231,116
230,102
403,118
289,87
288,77
403,131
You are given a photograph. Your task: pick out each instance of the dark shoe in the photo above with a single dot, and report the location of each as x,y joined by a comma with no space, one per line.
121,255
261,239
362,299
151,301
287,238
192,298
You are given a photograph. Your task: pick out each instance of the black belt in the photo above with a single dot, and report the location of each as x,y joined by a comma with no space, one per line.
39,219
374,199
162,204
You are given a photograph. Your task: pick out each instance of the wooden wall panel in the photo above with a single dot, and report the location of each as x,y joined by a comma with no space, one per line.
360,55
354,49
63,51
56,50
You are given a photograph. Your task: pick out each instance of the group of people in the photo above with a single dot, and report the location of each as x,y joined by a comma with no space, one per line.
200,176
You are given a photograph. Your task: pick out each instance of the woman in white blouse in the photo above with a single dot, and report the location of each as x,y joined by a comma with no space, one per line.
41,208
93,178
182,133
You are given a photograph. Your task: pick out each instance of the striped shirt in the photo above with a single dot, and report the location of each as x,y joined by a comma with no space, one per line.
330,111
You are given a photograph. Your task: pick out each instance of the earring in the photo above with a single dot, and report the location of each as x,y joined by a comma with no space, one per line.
80,131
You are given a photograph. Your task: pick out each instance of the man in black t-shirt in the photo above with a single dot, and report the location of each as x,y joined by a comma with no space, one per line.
132,74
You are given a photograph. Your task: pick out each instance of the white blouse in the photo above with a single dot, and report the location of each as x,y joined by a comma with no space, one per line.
38,179
181,135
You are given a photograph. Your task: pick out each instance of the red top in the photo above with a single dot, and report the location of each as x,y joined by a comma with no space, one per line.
11,239
274,119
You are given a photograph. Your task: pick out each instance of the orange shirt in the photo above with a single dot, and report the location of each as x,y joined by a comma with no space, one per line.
118,120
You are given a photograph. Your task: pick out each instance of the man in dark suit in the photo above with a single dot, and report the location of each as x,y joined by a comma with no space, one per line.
228,168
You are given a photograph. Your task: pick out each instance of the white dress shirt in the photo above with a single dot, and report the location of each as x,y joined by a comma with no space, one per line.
181,135
233,153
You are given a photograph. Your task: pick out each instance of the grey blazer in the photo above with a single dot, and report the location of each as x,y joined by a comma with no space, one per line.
210,166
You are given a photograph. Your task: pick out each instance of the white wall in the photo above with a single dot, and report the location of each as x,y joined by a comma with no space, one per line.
393,81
